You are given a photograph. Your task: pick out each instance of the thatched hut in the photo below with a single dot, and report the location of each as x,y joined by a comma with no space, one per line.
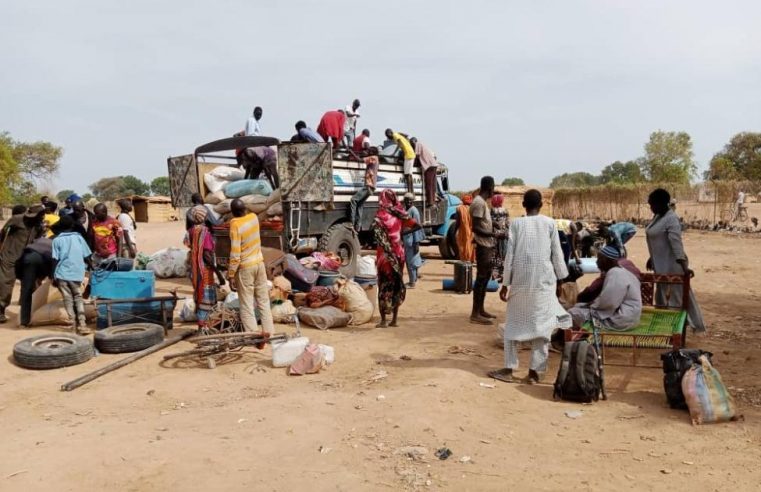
154,209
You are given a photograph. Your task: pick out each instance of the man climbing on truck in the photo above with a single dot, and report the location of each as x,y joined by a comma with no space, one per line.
368,188
408,154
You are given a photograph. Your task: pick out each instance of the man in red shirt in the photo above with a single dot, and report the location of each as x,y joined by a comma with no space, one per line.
106,235
362,142
331,127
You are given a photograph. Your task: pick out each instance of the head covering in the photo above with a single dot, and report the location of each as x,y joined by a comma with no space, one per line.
409,196
610,252
74,198
497,200
34,211
198,214
467,199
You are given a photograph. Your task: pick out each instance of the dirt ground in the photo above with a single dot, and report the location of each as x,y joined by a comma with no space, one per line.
247,426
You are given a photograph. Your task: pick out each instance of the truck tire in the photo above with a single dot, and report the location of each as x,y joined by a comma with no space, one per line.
341,240
447,244
53,351
128,338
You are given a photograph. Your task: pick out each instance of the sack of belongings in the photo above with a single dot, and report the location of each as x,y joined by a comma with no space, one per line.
219,177
214,198
324,317
243,187
282,312
323,296
707,398
355,301
169,263
676,363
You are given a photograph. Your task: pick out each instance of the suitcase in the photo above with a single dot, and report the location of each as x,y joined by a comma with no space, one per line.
274,260
302,278
463,277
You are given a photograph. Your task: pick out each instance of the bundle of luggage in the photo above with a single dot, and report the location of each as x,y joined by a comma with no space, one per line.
224,184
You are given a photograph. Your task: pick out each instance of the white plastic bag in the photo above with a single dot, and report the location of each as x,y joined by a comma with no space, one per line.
213,183
284,353
328,354
231,301
366,266
283,312
188,311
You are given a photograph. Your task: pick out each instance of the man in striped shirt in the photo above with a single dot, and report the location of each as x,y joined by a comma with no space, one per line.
246,269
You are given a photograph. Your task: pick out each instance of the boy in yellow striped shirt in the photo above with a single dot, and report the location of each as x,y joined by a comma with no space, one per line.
246,269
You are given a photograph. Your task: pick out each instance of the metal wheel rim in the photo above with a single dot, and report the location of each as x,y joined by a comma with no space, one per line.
53,342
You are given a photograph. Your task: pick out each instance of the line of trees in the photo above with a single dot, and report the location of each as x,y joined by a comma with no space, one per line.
669,159
24,167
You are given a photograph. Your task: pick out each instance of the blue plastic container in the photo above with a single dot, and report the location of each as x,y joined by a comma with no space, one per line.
138,312
123,285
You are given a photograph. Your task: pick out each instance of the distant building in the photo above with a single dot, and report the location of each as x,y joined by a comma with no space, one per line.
154,209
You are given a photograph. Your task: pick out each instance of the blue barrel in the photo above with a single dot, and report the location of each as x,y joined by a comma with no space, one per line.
449,284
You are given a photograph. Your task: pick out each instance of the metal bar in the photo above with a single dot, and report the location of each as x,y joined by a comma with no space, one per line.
137,300
80,381
108,315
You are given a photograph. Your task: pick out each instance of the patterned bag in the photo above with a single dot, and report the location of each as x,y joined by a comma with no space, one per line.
707,398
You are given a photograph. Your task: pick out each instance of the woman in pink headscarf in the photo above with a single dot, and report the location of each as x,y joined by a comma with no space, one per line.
500,220
389,259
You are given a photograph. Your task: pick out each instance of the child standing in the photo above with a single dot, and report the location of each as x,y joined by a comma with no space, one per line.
70,251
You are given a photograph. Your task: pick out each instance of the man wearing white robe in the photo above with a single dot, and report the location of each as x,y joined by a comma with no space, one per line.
533,265
619,305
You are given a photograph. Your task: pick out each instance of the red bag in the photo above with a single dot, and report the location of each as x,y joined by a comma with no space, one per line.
309,362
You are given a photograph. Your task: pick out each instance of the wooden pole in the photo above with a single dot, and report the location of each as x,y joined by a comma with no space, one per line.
80,381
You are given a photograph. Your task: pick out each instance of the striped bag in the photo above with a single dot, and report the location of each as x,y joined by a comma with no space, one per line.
707,398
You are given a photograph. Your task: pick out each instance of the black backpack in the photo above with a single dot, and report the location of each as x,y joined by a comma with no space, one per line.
675,364
579,374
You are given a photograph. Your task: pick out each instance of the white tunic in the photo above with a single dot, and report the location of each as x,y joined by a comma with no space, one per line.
619,305
533,264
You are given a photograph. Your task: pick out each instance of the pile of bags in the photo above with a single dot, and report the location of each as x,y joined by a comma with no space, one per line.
168,263
48,309
226,183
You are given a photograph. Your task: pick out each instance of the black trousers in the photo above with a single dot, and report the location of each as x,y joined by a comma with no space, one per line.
32,267
484,257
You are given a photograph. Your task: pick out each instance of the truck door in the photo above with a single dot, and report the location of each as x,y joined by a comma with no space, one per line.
183,179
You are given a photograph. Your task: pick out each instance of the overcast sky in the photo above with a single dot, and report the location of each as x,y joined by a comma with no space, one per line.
509,88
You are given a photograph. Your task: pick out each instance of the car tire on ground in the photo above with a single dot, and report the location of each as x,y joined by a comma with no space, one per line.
128,338
341,240
52,351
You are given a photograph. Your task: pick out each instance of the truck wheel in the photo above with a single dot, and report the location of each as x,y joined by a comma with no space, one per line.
52,351
340,240
129,338
447,244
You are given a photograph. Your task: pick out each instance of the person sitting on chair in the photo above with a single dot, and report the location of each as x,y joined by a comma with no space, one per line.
619,305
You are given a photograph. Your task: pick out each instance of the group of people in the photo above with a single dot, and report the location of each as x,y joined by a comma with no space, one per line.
36,243
535,265
340,128
246,273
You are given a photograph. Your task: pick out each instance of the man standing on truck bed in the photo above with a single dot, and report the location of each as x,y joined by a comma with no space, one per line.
246,269
429,165
331,127
356,205
253,125
350,126
408,153
256,160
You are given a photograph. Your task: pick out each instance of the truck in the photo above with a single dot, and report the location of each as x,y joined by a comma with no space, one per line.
316,186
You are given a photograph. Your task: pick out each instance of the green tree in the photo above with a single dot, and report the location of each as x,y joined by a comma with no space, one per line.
574,180
63,195
135,186
621,173
8,170
721,168
742,154
513,182
35,162
668,158
109,189
87,197
160,186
